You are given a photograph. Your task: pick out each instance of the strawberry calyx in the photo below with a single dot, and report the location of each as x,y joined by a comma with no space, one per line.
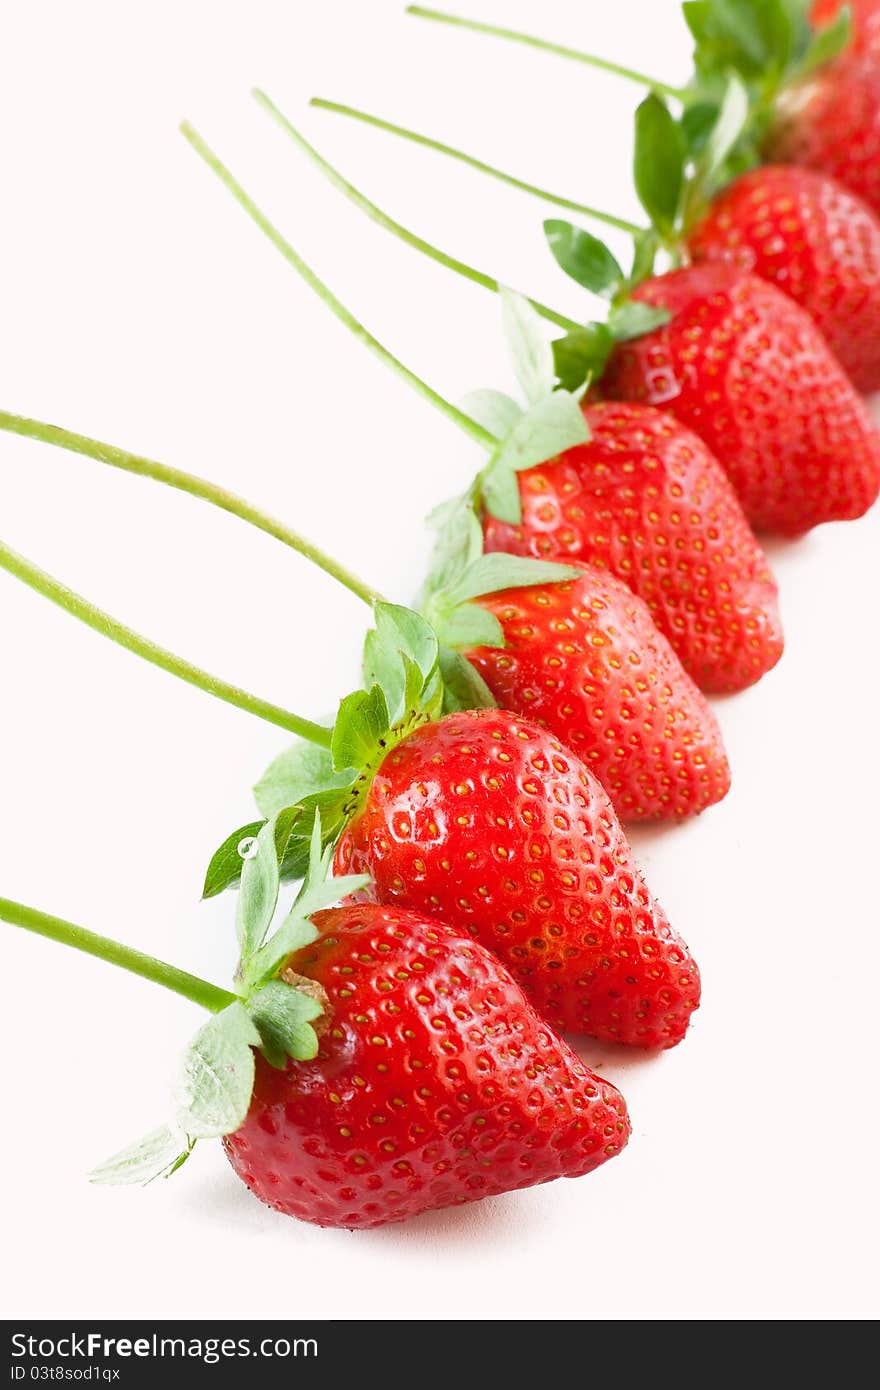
771,46
269,1011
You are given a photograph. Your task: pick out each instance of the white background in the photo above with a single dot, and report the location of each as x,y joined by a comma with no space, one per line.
139,305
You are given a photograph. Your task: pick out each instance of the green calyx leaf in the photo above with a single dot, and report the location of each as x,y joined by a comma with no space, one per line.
633,319
584,257
218,1075
527,343
495,411
495,572
400,658
658,164
549,427
726,133
226,862
157,1155
362,720
580,357
300,771
827,44
463,686
283,1016
261,878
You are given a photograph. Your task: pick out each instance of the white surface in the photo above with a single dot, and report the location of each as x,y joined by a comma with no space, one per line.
139,305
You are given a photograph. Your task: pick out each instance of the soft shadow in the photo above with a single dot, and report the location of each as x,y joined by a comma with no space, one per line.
612,1060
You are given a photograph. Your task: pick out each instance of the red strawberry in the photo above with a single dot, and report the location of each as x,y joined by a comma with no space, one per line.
832,123
646,500
816,241
747,369
488,823
584,660
865,21
436,1083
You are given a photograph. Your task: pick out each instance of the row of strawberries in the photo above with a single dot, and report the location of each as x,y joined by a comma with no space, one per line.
400,1053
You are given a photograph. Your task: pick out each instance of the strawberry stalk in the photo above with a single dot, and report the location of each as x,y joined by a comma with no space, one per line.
545,46
102,622
198,991
226,177
195,486
470,160
376,214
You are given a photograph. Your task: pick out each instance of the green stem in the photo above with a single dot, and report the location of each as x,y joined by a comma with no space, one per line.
196,487
561,50
464,422
396,228
102,622
473,163
199,991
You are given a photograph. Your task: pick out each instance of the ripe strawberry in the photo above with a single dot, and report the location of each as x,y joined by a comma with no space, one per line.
832,123
436,1083
646,500
865,23
585,661
747,369
816,241
488,823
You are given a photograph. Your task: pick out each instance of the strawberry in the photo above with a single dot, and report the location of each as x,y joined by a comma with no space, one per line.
435,1083
747,369
488,823
584,660
832,123
645,489
865,23
816,241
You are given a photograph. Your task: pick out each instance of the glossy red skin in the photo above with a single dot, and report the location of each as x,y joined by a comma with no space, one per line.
436,1083
747,369
487,822
646,500
865,23
815,241
832,123
585,661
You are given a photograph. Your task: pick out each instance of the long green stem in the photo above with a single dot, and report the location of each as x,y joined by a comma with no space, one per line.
561,50
464,422
396,228
195,486
480,165
199,991
133,641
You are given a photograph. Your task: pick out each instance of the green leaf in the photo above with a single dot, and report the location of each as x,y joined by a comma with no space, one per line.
697,123
658,166
633,319
528,345
295,932
499,489
156,1155
261,879
493,410
463,686
218,1075
584,257
401,639
645,250
726,132
459,540
581,355
297,772
549,427
361,722
697,18
283,1016
225,866
493,573
828,43
470,625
